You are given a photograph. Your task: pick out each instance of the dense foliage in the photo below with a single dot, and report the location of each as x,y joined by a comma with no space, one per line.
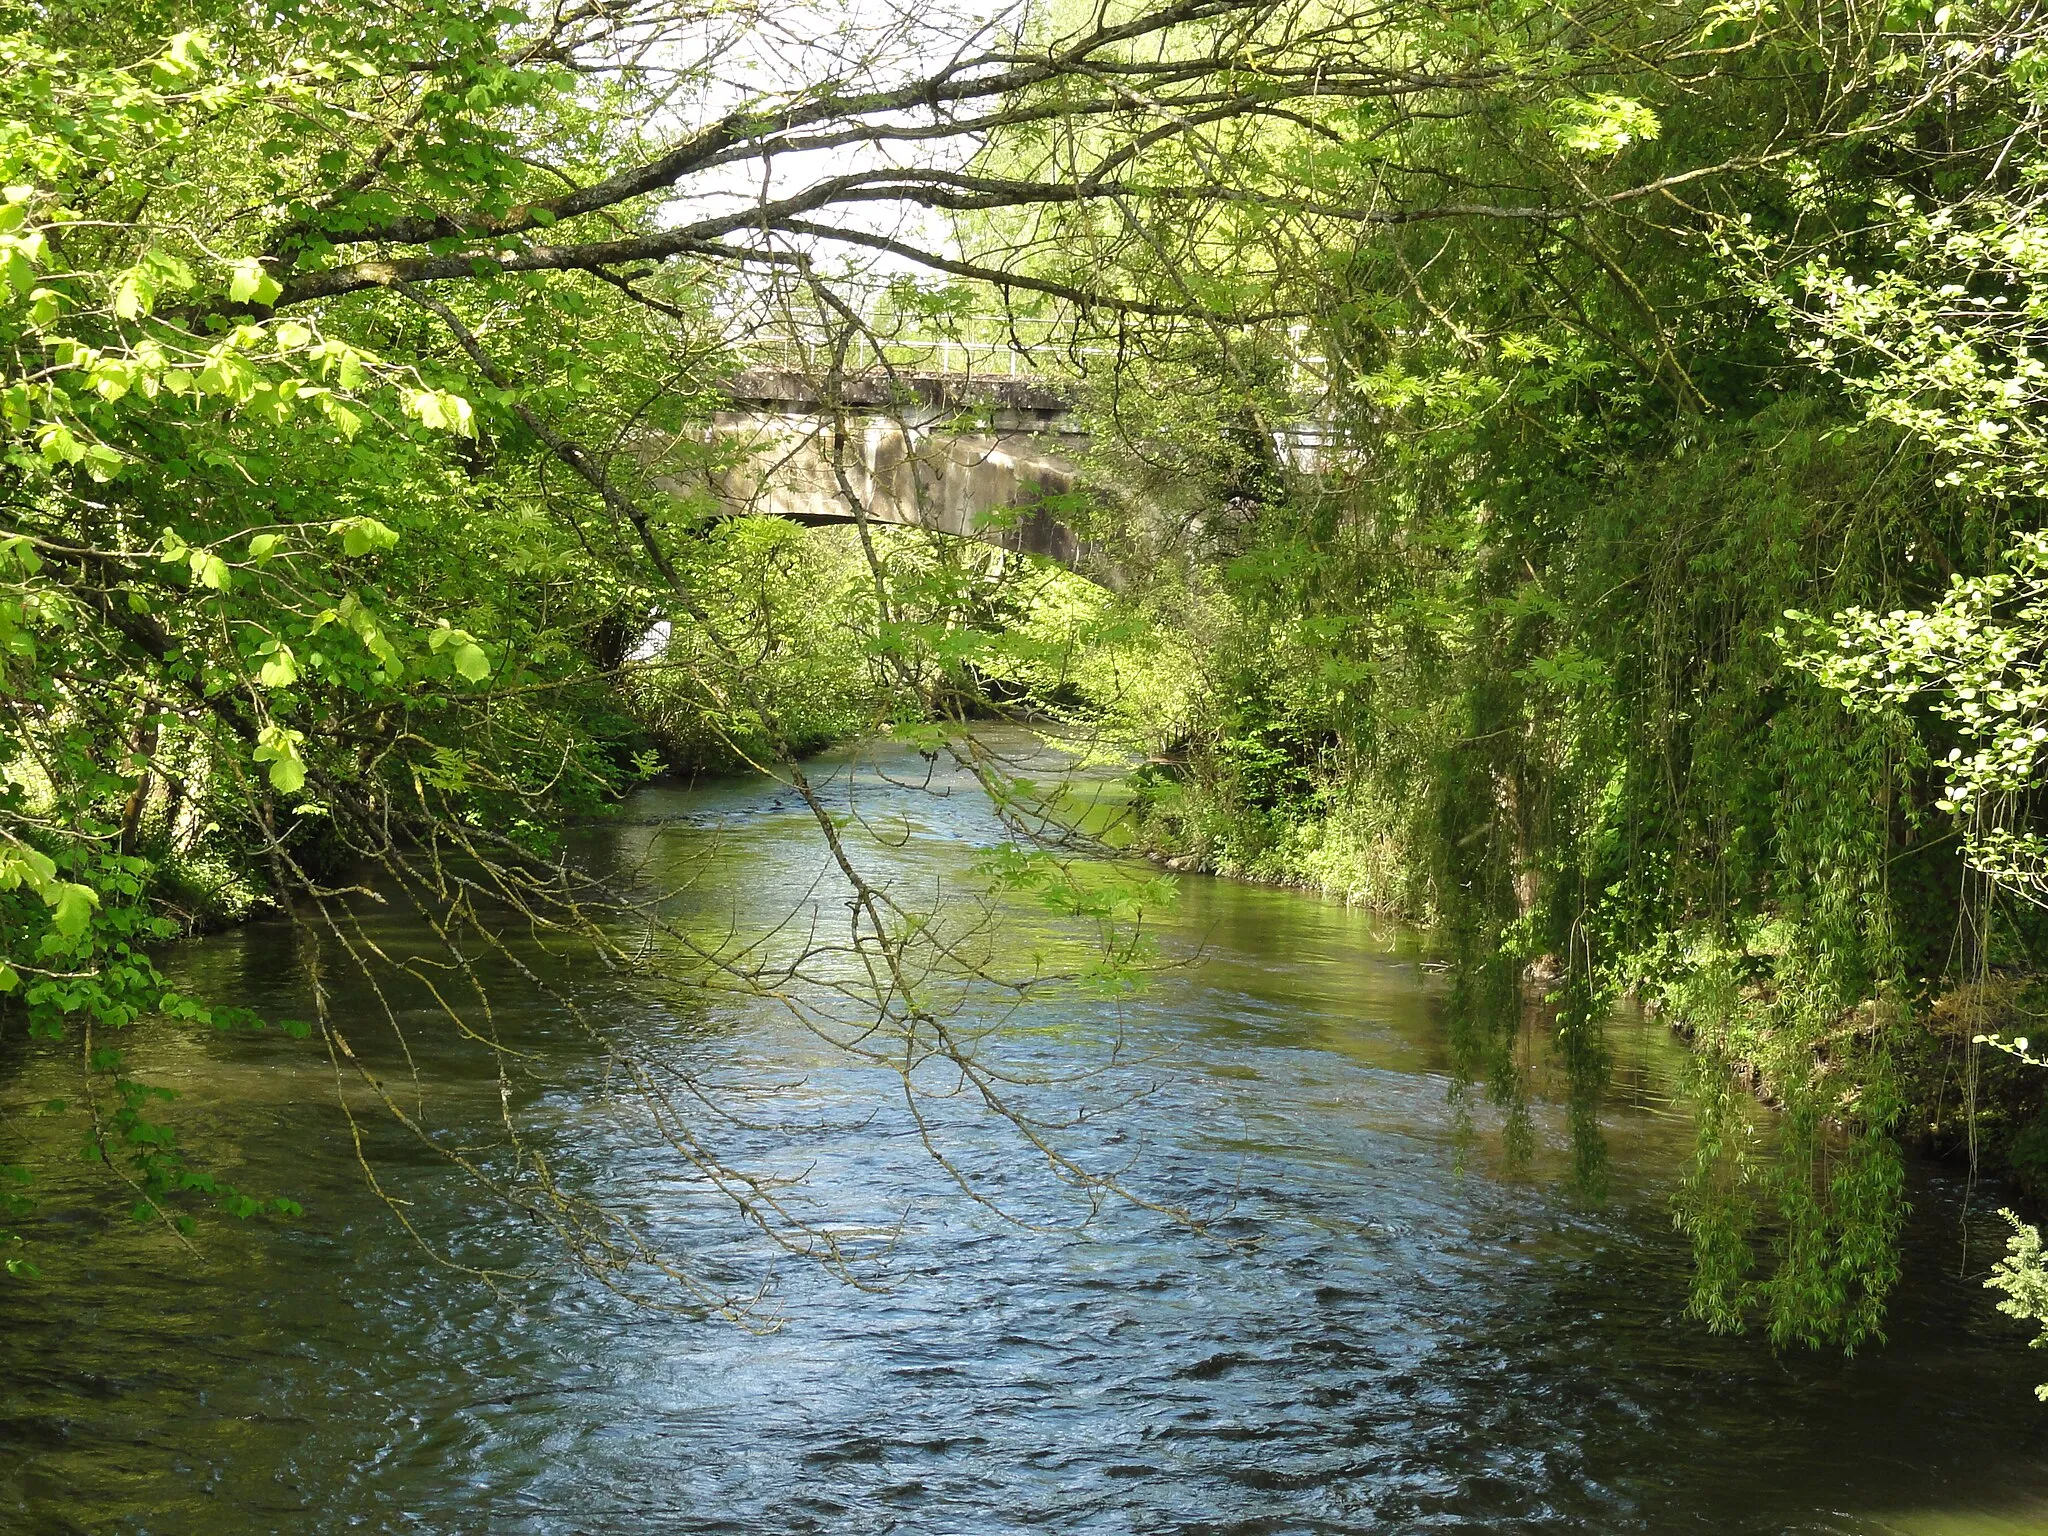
1573,478
1614,513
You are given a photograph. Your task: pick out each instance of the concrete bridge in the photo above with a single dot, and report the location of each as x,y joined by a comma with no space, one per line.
971,457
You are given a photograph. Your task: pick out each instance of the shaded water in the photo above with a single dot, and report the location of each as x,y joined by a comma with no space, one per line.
1403,1337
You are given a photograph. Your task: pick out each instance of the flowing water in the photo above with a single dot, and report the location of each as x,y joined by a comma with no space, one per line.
1383,1328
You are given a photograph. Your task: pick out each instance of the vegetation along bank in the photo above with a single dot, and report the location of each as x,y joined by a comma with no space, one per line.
1572,478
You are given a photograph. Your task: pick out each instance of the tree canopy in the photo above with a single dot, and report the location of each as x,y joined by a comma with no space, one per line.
1584,463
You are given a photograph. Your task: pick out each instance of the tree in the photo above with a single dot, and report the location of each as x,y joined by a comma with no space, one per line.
294,324
321,527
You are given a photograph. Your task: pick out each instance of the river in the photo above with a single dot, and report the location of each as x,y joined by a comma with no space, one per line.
1382,1326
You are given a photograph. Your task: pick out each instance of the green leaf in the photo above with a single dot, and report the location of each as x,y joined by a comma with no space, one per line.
130,301
1605,125
288,774
209,570
443,412
364,535
249,283
471,662
279,746
59,445
27,867
281,670
73,909
181,60
346,421
102,462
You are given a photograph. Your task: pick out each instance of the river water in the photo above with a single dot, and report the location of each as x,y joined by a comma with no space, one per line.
1382,1326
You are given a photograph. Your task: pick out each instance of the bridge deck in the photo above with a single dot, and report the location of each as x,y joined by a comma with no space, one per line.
959,454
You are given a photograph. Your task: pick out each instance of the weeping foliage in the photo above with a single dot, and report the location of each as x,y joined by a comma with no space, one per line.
1525,655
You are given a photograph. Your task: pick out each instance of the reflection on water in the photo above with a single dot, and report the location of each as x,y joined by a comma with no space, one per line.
1399,1335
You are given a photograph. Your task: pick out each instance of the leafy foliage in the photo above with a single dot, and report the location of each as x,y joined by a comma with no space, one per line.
1527,617
2023,1276
1522,435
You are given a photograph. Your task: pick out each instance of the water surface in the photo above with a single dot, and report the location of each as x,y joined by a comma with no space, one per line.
1383,1329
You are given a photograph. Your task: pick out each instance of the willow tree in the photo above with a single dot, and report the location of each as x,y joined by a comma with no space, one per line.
1512,656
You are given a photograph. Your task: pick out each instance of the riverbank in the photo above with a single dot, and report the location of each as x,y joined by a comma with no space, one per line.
1957,1102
